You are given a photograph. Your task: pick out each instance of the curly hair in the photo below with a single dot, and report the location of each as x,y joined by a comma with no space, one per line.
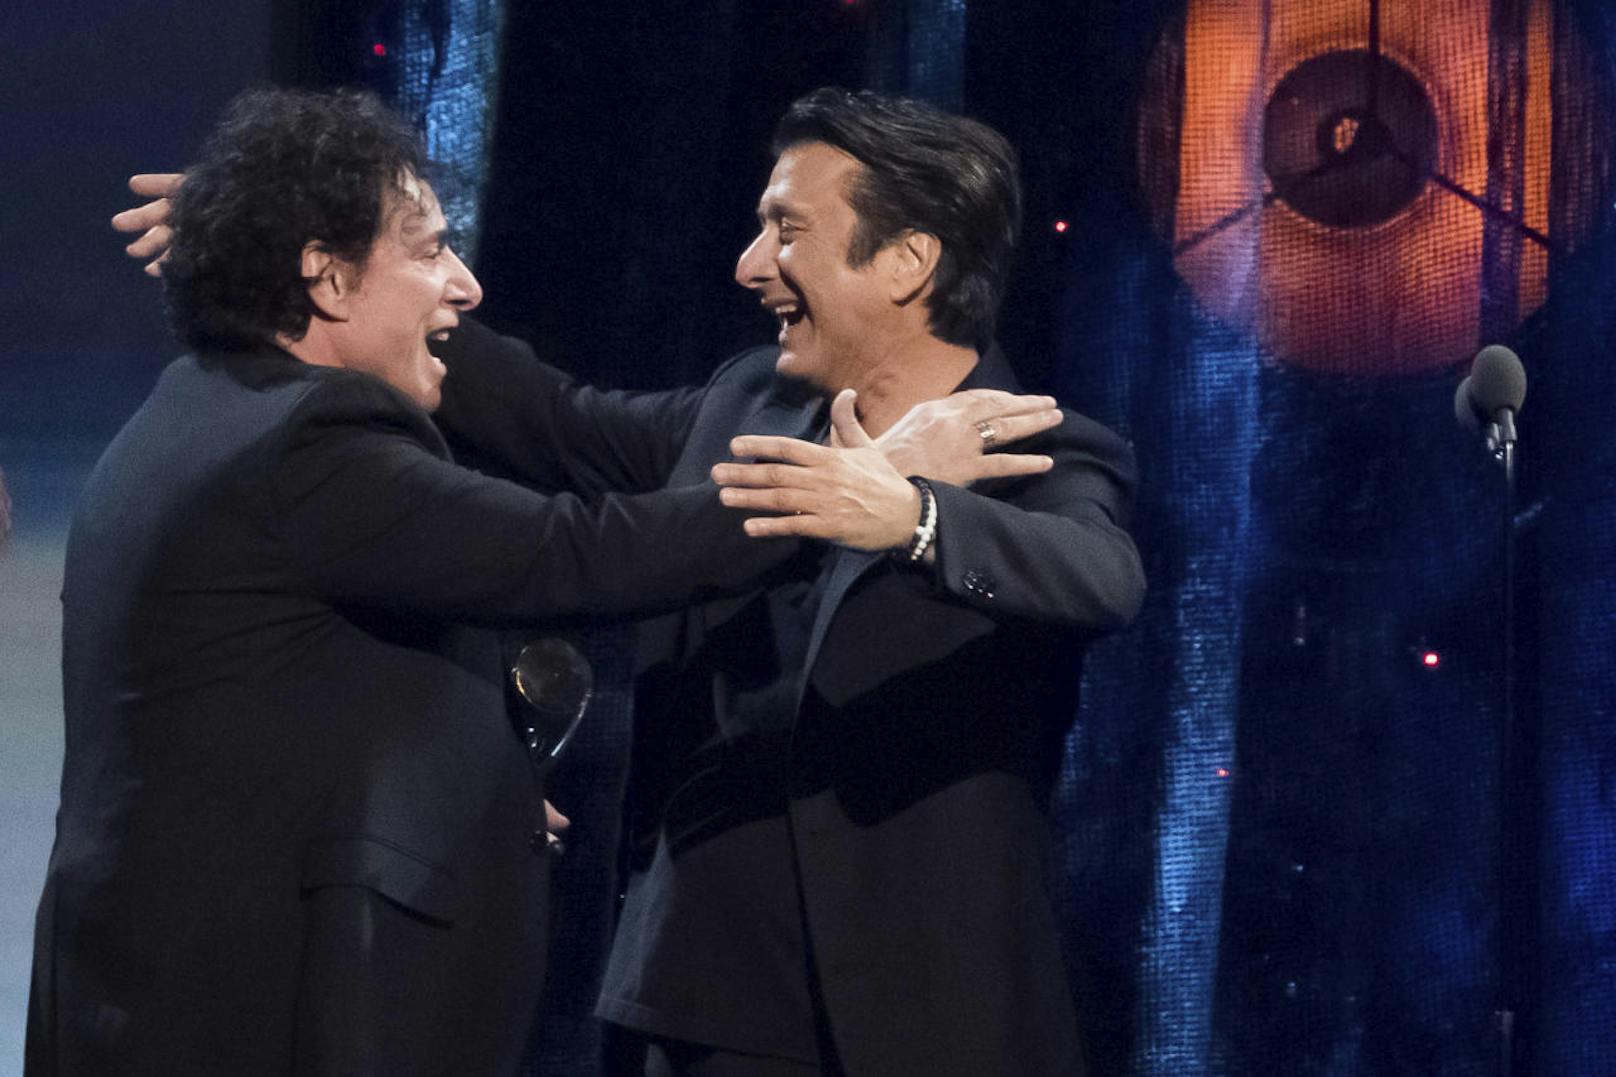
282,169
930,171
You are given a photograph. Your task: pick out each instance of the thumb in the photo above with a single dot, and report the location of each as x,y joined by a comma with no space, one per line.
845,431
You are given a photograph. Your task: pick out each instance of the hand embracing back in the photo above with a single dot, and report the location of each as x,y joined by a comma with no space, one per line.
151,219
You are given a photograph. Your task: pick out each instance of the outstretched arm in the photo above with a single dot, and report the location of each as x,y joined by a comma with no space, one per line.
508,413
372,517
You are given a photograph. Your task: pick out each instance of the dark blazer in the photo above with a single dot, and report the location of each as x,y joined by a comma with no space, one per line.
930,725
297,832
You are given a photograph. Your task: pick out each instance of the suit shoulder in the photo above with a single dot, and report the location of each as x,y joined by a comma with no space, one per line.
1078,431
346,397
1089,457
751,371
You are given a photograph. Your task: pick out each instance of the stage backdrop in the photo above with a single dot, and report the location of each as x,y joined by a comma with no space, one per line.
1263,242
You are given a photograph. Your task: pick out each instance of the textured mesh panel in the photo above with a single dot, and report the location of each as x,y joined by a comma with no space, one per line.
1345,882
448,84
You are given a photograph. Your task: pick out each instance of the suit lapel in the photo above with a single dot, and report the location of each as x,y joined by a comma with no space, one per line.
798,416
842,569
781,414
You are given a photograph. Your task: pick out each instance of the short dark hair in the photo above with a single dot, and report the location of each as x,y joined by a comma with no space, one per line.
930,171
283,168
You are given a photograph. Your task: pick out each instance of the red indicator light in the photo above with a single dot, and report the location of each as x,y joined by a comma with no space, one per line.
1430,660
1061,226
379,49
1223,772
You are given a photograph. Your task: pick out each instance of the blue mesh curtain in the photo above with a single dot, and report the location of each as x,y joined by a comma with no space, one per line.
917,48
1282,826
446,78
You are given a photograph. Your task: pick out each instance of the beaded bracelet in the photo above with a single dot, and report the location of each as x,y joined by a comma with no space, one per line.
926,529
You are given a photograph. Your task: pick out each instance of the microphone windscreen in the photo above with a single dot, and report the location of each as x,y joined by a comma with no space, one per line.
1497,380
1464,408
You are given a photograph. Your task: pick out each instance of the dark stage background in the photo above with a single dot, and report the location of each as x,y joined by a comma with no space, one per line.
1279,823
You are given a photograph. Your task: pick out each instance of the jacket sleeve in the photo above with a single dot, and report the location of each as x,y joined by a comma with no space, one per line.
369,514
1051,547
507,413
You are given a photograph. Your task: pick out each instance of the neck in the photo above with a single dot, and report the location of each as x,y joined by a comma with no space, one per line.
921,369
310,348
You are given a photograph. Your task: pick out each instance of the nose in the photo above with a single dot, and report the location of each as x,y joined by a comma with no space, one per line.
756,265
462,290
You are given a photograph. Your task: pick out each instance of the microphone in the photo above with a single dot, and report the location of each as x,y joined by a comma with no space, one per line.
1492,395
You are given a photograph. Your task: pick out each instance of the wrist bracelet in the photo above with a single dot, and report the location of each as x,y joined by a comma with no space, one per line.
926,529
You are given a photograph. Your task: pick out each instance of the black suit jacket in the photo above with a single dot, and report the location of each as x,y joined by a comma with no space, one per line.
282,684
930,723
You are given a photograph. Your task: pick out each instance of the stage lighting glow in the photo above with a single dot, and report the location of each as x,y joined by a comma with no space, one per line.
1366,188
1223,772
1061,226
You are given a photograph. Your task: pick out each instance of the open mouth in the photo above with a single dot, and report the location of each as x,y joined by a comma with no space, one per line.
789,314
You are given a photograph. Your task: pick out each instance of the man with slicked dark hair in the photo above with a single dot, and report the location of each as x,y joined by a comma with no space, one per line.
836,825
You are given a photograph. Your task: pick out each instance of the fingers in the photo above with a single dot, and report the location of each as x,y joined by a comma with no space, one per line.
846,430
553,819
999,465
156,184
786,526
996,403
142,218
767,447
1009,428
769,499
762,475
155,242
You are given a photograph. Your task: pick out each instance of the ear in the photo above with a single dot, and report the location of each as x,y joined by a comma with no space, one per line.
330,281
914,258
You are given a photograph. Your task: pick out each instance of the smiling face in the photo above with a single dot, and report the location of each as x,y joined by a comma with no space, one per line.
412,288
833,317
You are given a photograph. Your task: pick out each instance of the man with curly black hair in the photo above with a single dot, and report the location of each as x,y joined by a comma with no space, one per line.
297,833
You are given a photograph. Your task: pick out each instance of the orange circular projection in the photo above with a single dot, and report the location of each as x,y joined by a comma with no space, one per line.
1373,188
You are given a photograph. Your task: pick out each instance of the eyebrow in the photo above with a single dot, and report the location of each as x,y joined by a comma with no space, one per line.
774,209
414,224
424,241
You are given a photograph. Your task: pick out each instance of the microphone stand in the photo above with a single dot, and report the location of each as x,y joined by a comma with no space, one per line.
1511,865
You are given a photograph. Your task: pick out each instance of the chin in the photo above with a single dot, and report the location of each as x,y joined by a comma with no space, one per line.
429,394
792,365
